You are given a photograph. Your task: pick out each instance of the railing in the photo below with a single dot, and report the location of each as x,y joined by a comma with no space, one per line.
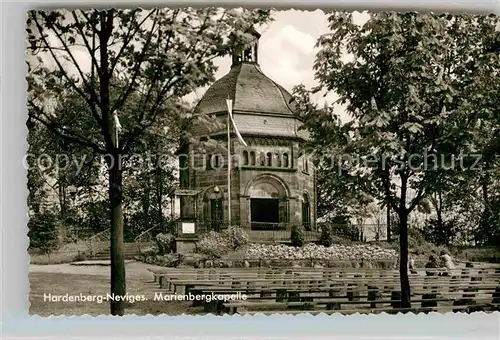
265,226
280,235
99,241
257,231
147,236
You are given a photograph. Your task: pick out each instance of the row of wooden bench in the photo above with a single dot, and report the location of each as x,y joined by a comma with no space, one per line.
316,272
289,289
179,278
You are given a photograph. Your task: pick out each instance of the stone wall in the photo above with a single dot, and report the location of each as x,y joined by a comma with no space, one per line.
297,179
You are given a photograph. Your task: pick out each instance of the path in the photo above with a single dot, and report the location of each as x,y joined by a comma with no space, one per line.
133,269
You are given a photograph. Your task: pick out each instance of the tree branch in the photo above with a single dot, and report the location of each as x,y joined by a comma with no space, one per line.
159,70
52,126
137,68
65,74
128,39
93,95
85,41
415,201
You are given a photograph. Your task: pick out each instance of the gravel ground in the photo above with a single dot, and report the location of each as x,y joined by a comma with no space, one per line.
133,269
64,279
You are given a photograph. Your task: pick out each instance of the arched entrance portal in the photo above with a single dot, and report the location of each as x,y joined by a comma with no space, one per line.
268,203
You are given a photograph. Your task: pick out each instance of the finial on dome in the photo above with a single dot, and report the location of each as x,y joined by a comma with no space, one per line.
245,48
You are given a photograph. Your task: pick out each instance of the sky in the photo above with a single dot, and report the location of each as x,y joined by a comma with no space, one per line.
287,51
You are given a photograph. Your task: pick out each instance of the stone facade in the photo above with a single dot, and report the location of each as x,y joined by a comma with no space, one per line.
272,178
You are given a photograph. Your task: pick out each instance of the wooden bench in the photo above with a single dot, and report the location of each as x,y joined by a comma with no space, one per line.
452,283
344,286
316,278
326,273
414,309
484,299
366,293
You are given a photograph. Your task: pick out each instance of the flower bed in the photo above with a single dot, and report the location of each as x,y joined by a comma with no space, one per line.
338,252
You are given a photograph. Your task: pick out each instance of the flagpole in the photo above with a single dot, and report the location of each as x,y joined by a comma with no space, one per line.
230,120
229,165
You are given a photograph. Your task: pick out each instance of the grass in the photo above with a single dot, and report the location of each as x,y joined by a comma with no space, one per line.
55,258
74,284
480,254
67,253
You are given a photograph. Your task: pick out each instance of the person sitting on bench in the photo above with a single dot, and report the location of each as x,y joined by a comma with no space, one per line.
446,262
432,264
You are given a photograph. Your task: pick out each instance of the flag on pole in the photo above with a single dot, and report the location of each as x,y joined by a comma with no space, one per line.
118,126
230,112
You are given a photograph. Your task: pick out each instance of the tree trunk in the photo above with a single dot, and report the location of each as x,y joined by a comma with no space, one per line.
388,218
485,181
388,207
441,233
403,213
118,286
146,205
159,196
115,174
403,263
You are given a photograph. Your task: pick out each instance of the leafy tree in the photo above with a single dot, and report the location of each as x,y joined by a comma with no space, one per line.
403,86
148,59
338,198
440,233
43,232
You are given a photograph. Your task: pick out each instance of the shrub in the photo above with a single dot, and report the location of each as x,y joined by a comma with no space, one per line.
149,251
236,237
168,260
297,236
43,232
213,244
418,244
442,233
326,236
488,231
165,243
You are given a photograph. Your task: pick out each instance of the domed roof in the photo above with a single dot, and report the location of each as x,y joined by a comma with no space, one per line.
251,91
261,107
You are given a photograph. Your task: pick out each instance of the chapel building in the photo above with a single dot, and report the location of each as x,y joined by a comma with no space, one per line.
272,179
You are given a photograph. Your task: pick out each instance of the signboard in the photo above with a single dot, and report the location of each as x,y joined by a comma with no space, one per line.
188,228
186,192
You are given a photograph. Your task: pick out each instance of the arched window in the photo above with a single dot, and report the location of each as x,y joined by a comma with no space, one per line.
286,162
252,158
306,212
278,160
306,164
213,208
216,213
262,157
245,157
269,159
184,171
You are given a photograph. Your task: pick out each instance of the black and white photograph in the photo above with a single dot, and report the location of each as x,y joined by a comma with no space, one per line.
234,161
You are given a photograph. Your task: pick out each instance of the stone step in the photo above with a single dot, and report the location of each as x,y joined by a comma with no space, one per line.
130,250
